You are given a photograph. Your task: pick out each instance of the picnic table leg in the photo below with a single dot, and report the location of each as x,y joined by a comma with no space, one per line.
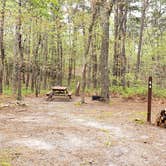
68,94
50,96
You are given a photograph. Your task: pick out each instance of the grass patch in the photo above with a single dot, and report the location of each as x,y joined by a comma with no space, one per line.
139,117
105,131
78,104
108,144
138,91
25,92
127,92
5,158
139,121
124,92
8,91
3,163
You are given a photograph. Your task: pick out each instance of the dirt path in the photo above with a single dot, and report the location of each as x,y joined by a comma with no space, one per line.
63,133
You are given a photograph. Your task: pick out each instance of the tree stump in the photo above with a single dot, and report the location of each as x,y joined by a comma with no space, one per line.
77,91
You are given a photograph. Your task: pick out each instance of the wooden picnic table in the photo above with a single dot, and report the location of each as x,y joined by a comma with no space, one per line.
58,91
59,88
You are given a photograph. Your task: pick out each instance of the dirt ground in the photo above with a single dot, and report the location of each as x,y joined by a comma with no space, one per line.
63,133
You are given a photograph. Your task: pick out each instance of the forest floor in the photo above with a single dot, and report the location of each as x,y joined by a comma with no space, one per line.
62,133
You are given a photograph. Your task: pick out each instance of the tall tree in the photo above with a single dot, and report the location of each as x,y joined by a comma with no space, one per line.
19,51
2,50
94,61
119,68
106,8
143,15
73,40
86,51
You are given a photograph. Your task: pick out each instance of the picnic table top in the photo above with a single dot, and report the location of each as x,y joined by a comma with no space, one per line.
59,88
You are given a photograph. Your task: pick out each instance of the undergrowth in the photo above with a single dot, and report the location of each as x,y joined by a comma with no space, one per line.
114,90
138,91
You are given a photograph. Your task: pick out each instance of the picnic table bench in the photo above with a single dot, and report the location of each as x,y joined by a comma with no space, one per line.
58,91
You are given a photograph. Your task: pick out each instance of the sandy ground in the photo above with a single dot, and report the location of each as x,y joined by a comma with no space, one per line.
62,133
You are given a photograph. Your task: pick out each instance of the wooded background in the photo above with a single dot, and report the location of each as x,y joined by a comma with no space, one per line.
100,43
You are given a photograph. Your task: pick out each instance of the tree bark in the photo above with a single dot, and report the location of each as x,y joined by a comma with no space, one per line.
45,57
94,63
18,54
73,40
119,65
19,40
86,52
28,67
2,52
144,7
104,71
59,71
36,67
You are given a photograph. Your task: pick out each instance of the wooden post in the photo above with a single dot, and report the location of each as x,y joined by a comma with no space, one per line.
149,99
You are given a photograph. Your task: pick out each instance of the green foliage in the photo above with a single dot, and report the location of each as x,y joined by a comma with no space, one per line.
51,17
161,93
8,91
43,7
138,91
127,92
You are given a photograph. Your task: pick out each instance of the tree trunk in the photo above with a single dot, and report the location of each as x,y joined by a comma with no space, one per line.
59,71
119,67
124,8
71,72
36,66
94,63
28,67
45,56
116,54
104,72
144,7
2,52
86,52
19,53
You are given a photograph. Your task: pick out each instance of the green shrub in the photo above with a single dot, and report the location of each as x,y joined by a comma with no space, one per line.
138,91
